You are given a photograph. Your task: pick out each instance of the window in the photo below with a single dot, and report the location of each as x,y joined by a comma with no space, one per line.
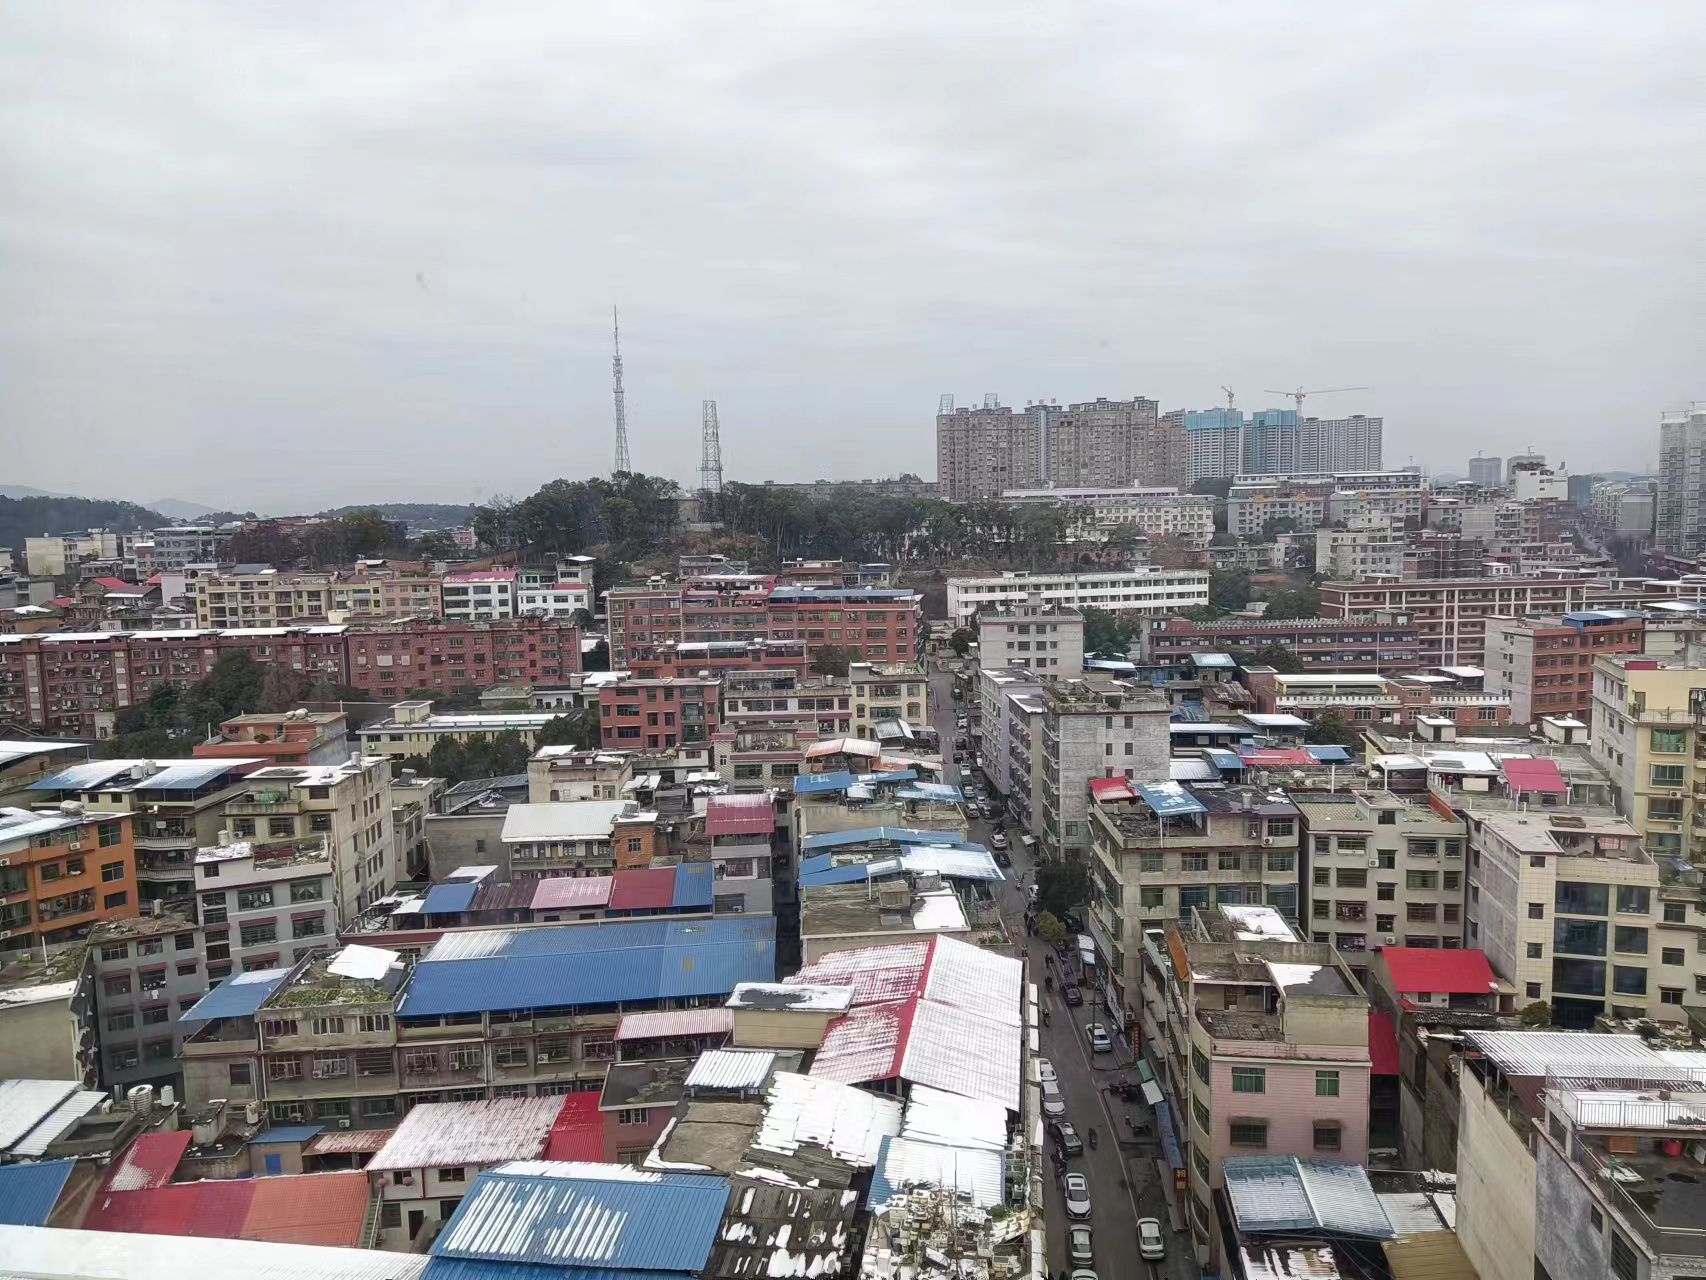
328,1066
1597,1218
1194,862
284,1069
254,899
1353,878
1670,741
1199,1064
1667,775
1575,899
373,1022
1230,862
1248,1132
261,931
1628,981
1282,862
1326,1135
1670,995
466,1059
240,1074
121,1021
1536,951
312,927
1385,892
1249,1080
1634,900
454,1174
1152,897
1200,1114
1623,1263
1421,879
117,984
1579,937
116,951
113,900
511,1053
111,871
1671,955
391,1214
631,1115
1326,1084
328,1026
1537,911
307,891
1676,912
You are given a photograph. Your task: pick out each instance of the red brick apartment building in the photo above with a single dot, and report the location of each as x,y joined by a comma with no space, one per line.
1546,664
659,714
73,683
1388,643
885,624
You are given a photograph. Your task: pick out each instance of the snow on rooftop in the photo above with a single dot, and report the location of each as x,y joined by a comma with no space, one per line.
357,961
1256,922
442,1134
848,1122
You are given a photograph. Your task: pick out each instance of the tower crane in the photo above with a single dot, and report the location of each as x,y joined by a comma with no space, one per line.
1231,398
1299,393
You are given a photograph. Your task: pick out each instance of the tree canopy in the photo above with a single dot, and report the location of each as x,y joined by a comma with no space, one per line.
635,511
1332,729
1109,633
352,536
483,756
1062,887
22,518
174,718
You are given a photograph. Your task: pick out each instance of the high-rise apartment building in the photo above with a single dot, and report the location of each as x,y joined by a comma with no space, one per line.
1340,444
1096,443
1095,728
1680,526
980,452
1214,444
1489,473
1270,444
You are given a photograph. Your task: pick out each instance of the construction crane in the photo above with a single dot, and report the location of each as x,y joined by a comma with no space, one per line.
1231,398
1298,394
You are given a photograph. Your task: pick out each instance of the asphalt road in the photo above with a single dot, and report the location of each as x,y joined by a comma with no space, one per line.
1123,1177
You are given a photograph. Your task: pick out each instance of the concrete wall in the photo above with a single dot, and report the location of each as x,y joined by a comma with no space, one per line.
39,1042
1564,1239
455,841
1495,1190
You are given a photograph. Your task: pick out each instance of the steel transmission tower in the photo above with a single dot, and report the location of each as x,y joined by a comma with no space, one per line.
710,451
621,403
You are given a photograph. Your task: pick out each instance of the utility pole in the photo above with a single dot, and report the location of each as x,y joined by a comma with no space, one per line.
622,467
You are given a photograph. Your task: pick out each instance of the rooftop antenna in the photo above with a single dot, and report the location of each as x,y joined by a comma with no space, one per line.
991,400
1299,393
622,467
710,450
946,403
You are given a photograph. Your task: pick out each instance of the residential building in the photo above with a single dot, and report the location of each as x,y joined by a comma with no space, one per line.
1510,1079
1430,554
175,807
1411,699
49,1029
264,904
1149,590
754,700
1375,643
1157,512
1094,727
556,589
62,871
1308,500
1381,872
413,800
1488,473
1424,978
573,838
1535,480
181,545
659,714
882,624
1370,546
560,773
1271,443
55,555
1214,443
1097,443
741,829
480,595
997,689
1163,850
265,596
148,971
980,453
1647,735
1546,664
1340,444
299,736
832,804
349,804
402,658
1262,1042
413,728
884,692
1048,640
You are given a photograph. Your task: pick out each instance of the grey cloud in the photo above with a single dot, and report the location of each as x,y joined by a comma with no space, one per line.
218,218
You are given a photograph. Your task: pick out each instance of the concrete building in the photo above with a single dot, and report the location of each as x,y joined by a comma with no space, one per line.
781,698
1163,850
480,595
1271,443
1372,546
1094,727
564,773
1534,481
424,656
299,736
657,715
573,838
62,871
557,589
1377,643
1096,443
1148,590
741,829
982,452
48,1025
413,728
181,545
148,972
1046,640
1262,1044
1311,499
265,596
1546,664
1647,718
1152,512
1005,696
1680,514
1214,444
1488,473
264,904
1437,702
1382,872
886,692
55,555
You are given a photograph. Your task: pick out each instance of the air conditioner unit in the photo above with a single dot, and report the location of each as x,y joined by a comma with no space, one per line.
1390,940
344,1122
1374,862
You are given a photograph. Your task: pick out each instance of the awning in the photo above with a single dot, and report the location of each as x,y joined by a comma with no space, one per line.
1533,773
1151,1092
1169,799
1111,789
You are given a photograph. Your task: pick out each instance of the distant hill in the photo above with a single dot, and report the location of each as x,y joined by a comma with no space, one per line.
22,518
418,515
27,491
178,509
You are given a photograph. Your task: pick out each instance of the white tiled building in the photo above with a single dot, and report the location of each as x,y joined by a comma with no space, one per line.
1147,590
264,904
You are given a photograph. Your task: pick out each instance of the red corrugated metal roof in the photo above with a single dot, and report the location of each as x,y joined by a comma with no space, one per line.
638,890
214,1209
740,815
675,1022
1438,972
1382,1044
1271,756
578,1132
148,1162
309,1208
1533,773
1111,789
114,584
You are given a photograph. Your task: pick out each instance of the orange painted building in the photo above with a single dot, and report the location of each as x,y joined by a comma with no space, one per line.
61,873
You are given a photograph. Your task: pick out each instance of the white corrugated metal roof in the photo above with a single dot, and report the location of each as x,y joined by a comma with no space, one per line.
439,1134
963,1052
357,961
934,1115
26,1103
743,1069
561,820
848,1122
905,1164
57,1121
1580,1054
57,1254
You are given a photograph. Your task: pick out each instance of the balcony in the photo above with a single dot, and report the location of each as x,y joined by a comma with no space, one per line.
263,807
1664,1196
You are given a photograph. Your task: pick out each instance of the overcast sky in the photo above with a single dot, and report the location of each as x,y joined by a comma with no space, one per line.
285,256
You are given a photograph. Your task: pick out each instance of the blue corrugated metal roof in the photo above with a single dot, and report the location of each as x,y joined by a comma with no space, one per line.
1221,758
877,835
1168,799
692,885
587,1215
481,1269
82,777
185,777
237,997
1286,1193
603,963
1329,754
891,775
945,792
810,784
28,1192
288,1133
1212,660
448,899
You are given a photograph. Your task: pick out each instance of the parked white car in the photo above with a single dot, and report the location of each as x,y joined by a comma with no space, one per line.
1045,1071
1054,1103
1100,1041
1077,1191
1151,1244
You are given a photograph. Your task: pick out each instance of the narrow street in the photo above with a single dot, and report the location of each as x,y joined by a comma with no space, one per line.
1123,1178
